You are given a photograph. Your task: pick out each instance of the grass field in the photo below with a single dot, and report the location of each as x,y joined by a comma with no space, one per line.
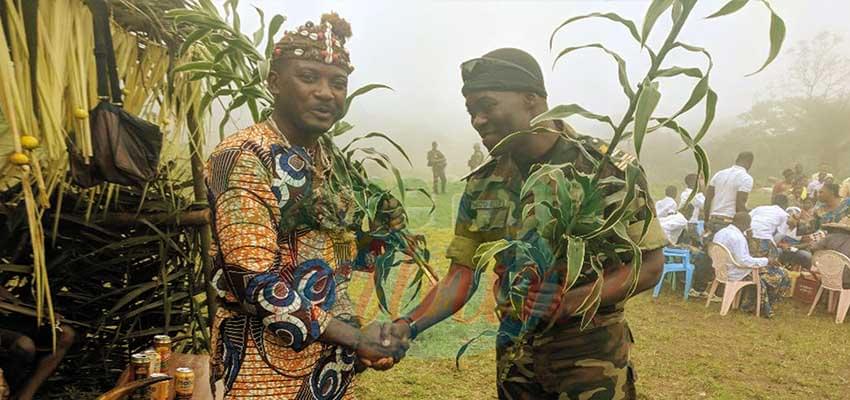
682,350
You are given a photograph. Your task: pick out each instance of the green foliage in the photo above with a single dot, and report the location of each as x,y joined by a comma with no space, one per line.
579,214
225,59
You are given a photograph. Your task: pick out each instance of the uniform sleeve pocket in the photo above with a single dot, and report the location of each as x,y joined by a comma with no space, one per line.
489,215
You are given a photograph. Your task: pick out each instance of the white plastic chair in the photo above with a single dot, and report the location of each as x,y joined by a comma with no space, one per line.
721,261
830,265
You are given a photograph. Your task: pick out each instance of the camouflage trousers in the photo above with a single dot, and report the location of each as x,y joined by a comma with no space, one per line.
439,179
568,364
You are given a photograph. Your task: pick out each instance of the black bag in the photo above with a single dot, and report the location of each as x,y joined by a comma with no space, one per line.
126,148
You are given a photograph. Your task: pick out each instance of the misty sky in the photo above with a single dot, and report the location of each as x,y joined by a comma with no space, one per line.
416,47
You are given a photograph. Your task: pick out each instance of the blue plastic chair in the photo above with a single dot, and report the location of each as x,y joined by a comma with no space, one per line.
676,260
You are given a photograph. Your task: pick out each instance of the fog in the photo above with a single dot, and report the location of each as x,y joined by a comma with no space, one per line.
417,46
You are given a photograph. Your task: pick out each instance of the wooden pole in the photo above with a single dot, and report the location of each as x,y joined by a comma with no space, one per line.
185,218
200,190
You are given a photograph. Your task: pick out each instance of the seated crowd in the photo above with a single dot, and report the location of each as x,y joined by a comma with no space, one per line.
806,214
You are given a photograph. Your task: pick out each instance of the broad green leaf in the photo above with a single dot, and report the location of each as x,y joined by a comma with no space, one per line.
503,144
672,125
710,110
372,205
656,8
646,103
465,346
695,49
675,71
777,37
258,34
677,11
193,37
622,74
263,68
359,92
485,253
427,195
697,94
274,26
610,16
593,296
209,7
201,21
703,164
729,8
340,128
237,24
382,136
588,315
194,66
621,230
536,176
632,174
575,261
566,110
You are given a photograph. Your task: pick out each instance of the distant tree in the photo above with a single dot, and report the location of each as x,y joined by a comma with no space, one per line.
821,68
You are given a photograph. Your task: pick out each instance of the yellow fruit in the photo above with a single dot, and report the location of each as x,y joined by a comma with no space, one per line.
81,113
19,159
29,142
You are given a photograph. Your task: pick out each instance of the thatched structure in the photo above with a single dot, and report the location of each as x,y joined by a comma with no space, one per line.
120,263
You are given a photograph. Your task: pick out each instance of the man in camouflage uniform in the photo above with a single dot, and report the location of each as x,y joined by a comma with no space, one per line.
477,157
504,90
437,162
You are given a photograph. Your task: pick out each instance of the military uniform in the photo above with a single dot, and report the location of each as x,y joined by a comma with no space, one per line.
437,162
563,362
476,159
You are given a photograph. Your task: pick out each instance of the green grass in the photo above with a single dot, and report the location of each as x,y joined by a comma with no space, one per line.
682,350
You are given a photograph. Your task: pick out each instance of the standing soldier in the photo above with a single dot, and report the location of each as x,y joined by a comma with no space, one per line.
477,157
504,90
437,162
285,242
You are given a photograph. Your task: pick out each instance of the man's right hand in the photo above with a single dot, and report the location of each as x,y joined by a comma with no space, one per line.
379,347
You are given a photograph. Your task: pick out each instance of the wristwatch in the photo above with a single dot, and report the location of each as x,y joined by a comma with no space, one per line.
414,331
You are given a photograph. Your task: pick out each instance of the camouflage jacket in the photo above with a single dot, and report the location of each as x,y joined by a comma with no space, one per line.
490,209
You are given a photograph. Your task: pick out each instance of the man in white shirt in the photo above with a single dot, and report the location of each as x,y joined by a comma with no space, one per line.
673,226
844,192
699,199
727,193
774,280
667,206
770,225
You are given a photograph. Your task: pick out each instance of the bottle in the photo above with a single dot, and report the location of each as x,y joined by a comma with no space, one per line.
159,390
156,361
184,383
5,392
162,345
140,365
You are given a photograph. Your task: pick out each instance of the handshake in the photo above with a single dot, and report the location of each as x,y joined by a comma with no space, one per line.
381,345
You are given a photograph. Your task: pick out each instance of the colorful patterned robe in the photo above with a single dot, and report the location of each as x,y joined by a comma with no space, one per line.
284,251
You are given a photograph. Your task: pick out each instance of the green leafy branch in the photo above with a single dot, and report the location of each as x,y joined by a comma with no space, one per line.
583,216
226,59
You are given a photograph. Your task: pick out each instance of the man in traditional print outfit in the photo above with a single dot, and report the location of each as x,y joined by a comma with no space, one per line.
286,242
504,90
